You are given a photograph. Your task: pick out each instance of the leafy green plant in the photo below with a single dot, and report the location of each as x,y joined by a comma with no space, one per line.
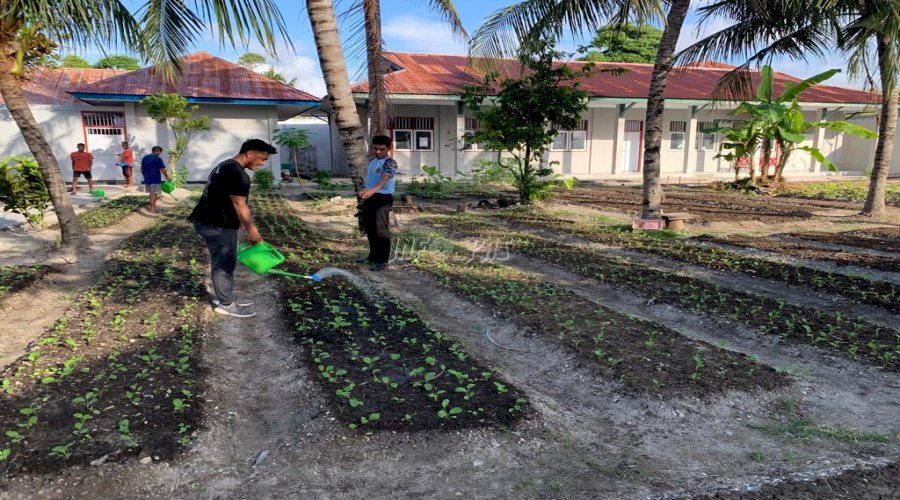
263,180
22,188
512,123
173,110
296,140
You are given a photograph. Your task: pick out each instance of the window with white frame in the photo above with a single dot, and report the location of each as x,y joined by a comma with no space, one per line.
571,140
472,126
676,135
705,141
413,133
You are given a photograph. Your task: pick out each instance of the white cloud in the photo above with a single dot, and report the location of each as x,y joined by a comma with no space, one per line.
307,72
412,33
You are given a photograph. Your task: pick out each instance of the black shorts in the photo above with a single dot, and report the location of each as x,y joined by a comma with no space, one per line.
126,170
87,175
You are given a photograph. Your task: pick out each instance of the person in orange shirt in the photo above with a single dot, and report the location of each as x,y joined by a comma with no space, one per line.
82,161
126,161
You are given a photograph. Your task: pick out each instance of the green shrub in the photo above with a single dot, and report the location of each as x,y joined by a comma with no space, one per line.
263,180
22,188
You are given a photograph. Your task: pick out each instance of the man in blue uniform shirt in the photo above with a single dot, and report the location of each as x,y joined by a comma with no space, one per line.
377,198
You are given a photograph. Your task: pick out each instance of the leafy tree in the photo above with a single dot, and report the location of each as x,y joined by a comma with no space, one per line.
118,62
161,34
629,44
73,61
526,114
251,60
173,110
529,20
295,139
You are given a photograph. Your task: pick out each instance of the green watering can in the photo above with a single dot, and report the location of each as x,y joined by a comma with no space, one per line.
262,258
98,193
167,187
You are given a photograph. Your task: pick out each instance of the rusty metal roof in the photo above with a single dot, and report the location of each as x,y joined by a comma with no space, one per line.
204,78
432,74
49,86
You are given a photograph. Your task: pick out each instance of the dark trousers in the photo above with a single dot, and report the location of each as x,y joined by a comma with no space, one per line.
222,244
376,222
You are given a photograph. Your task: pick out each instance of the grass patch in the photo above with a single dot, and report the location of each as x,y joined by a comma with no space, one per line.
842,190
803,428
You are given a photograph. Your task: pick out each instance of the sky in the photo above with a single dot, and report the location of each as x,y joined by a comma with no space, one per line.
412,26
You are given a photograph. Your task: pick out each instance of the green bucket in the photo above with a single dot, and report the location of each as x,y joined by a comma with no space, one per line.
260,257
167,187
98,193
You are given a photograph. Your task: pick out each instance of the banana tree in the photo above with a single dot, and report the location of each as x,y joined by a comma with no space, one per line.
779,121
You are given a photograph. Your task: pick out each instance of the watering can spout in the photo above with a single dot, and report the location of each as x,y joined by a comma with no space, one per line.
315,277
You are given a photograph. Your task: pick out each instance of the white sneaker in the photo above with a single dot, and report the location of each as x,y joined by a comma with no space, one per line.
239,302
234,310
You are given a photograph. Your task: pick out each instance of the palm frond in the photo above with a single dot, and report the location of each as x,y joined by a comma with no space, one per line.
168,29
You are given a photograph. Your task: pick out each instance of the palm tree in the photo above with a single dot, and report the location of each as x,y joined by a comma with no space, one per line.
378,101
163,33
337,82
528,20
802,28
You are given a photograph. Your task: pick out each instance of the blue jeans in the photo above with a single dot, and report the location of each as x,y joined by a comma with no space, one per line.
222,244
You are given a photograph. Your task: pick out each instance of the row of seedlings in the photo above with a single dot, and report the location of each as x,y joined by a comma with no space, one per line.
118,374
15,278
848,336
380,365
111,212
859,288
644,357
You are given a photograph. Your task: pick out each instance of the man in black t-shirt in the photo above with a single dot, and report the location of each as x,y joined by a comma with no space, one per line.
221,211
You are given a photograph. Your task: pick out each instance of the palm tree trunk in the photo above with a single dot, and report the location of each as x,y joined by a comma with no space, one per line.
887,128
377,93
656,103
334,71
71,232
766,158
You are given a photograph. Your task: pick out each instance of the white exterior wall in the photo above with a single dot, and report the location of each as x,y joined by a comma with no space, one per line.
603,156
231,125
318,129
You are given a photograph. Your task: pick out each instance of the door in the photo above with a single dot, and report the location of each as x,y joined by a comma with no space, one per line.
634,136
104,132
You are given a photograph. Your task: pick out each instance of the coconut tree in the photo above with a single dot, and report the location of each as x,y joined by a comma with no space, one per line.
528,20
378,101
160,32
803,29
337,83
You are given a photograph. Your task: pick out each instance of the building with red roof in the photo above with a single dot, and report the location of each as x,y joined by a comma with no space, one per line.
430,120
101,108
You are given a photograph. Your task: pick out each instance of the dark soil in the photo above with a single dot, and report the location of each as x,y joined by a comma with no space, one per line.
645,358
15,278
706,205
858,288
381,367
886,239
103,382
846,336
805,252
876,483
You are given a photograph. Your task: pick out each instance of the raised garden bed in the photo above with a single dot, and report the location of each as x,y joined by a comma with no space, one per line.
858,288
644,357
380,365
850,337
15,278
111,212
118,374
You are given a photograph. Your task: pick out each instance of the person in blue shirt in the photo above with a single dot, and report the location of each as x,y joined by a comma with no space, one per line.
153,168
376,200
